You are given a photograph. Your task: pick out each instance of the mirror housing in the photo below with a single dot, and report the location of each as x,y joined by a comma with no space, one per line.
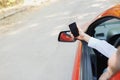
65,36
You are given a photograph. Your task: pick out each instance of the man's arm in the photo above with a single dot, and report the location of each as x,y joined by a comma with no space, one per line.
102,46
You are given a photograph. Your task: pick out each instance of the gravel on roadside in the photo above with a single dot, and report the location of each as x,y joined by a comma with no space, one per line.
11,17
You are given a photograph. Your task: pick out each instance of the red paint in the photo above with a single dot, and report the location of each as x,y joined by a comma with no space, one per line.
65,38
114,11
116,77
76,70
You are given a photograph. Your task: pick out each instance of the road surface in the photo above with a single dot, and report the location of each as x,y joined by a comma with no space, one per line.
30,50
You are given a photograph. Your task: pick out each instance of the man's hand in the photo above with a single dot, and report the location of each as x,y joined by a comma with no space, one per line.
83,35
113,66
114,62
105,76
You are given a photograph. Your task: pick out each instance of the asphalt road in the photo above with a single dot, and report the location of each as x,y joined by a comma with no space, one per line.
32,52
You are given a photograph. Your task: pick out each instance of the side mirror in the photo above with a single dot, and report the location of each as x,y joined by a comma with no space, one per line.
65,36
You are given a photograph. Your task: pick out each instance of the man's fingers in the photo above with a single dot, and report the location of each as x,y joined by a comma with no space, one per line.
105,76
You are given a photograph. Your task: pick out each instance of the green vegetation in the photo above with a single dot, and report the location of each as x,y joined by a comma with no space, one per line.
9,3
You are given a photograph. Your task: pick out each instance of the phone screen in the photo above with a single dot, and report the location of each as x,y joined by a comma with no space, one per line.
74,29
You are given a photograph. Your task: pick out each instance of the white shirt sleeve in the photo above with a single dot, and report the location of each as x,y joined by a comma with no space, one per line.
102,46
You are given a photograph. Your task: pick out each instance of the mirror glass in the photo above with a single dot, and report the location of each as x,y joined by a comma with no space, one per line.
65,36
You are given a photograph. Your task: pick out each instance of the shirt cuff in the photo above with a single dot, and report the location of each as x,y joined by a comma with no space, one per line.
92,42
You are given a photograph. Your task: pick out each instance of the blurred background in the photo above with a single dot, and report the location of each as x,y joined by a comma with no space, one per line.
29,49
10,3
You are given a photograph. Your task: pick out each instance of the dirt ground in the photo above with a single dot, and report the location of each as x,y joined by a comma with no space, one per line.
10,23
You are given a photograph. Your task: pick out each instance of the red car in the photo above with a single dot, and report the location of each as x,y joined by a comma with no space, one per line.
89,63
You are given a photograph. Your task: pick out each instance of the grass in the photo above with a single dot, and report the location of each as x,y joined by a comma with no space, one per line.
9,3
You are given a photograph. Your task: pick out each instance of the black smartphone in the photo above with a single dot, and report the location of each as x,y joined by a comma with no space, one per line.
74,29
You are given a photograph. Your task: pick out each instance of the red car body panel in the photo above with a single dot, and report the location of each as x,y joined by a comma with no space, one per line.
114,11
76,70
116,76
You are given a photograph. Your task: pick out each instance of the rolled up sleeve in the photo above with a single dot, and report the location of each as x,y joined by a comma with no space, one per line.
102,46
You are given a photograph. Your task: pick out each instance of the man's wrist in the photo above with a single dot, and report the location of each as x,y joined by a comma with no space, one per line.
86,37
